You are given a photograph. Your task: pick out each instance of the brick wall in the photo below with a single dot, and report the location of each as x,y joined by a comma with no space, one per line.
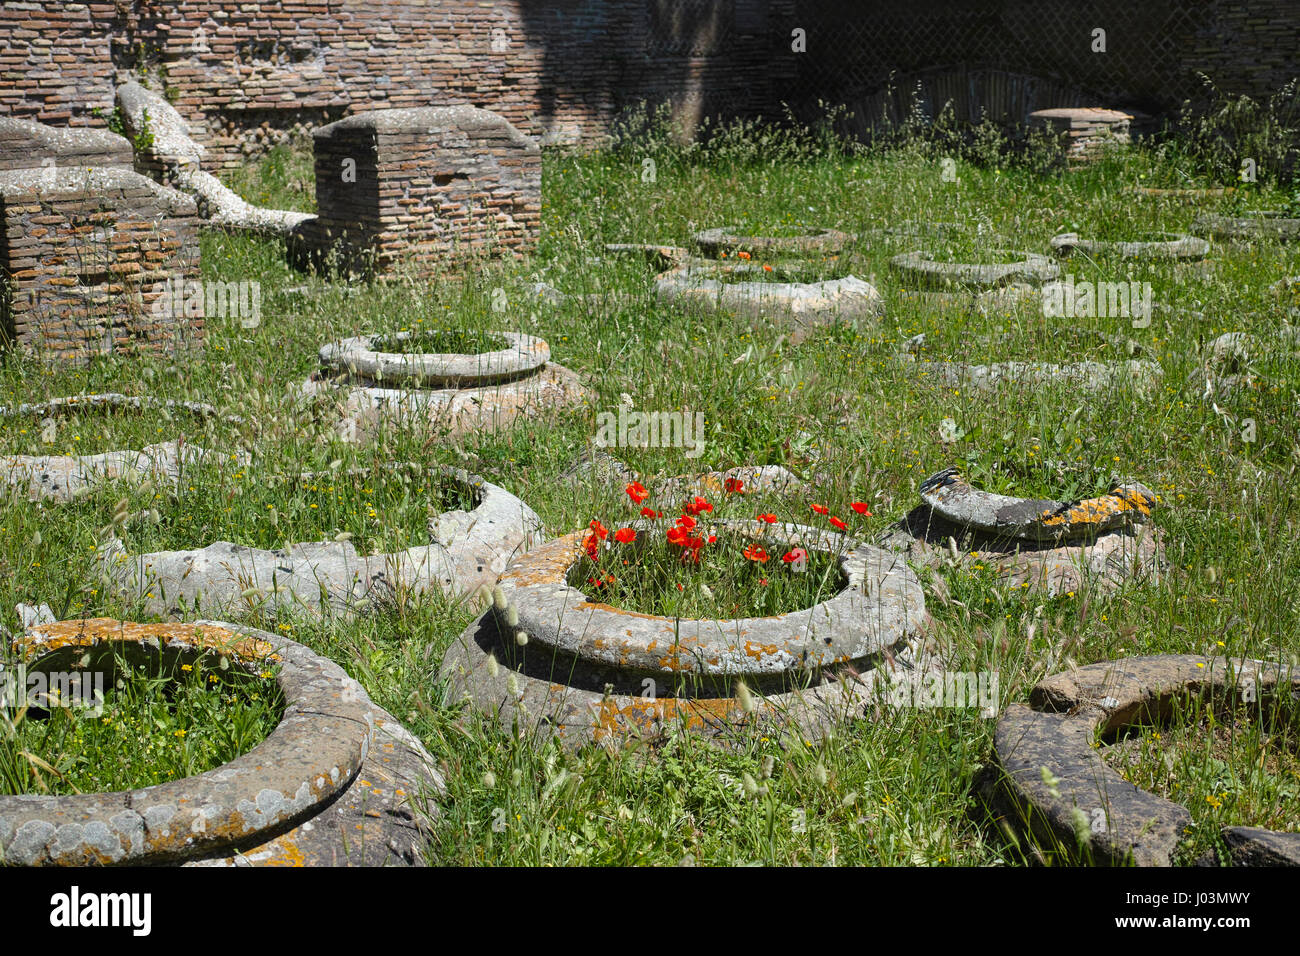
1014,56
425,186
242,73
238,73
86,252
57,60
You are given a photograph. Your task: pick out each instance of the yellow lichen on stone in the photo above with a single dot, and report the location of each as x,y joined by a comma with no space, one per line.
88,632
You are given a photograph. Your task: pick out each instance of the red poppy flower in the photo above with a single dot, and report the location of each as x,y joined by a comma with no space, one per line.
625,535
650,513
678,536
601,531
838,523
755,553
687,522
862,508
713,538
733,486
769,518
742,255
821,509
797,558
636,492
591,544
763,581
697,505
766,267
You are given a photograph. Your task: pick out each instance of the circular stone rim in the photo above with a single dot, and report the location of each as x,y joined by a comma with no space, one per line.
356,356
132,570
922,265
713,241
1065,712
1171,245
520,703
806,304
164,822
561,617
1036,519
103,400
1251,224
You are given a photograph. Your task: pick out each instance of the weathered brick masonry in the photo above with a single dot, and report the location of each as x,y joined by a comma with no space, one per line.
241,73
84,250
1011,57
420,186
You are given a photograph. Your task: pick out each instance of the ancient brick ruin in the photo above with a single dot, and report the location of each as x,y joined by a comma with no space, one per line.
419,187
243,75
86,250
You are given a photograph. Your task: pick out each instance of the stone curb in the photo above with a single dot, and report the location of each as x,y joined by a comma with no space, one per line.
711,242
659,257
802,307
366,409
1265,224
357,357
309,760
115,400
921,270
1186,195
1141,374
537,702
594,462
1173,245
1106,563
63,478
1122,823
951,497
469,551
879,606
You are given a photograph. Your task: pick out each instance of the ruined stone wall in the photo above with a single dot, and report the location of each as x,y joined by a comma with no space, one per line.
86,251
424,187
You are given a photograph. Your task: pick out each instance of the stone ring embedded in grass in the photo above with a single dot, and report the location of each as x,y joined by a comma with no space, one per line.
1186,195
922,270
1170,245
483,392
923,229
800,306
1033,519
586,667
978,533
468,550
362,357
1262,224
713,242
338,781
1061,789
61,478
1088,376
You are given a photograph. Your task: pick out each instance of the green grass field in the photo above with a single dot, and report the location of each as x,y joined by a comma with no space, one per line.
840,408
